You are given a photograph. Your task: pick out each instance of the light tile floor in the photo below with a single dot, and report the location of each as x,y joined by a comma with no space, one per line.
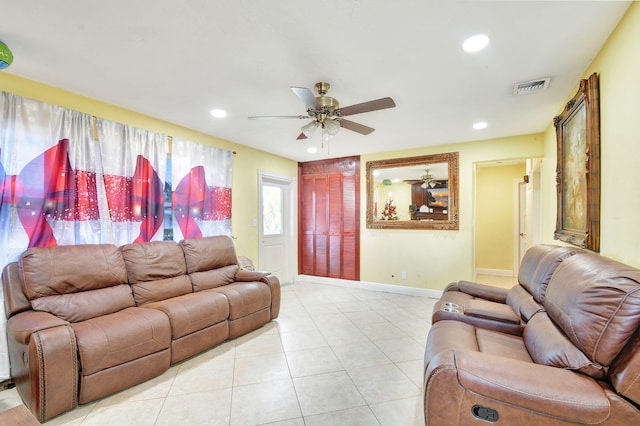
335,356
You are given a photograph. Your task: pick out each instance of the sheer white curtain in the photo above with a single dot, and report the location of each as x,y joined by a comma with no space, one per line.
201,184
134,164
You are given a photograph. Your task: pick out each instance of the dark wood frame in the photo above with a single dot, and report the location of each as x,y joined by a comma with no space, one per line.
580,226
452,221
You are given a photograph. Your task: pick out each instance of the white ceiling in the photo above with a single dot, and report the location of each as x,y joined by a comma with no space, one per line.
176,60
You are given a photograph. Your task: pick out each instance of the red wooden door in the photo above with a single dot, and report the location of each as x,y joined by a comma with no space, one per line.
329,218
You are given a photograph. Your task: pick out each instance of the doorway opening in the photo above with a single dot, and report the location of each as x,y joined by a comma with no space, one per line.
276,225
506,213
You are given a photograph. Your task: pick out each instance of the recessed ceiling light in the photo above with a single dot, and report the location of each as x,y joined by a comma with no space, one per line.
475,43
312,150
218,113
479,125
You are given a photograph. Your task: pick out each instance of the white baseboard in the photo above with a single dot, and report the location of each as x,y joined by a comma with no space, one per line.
387,288
497,272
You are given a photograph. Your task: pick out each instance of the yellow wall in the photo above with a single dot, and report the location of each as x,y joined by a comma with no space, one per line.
246,162
618,66
495,215
432,259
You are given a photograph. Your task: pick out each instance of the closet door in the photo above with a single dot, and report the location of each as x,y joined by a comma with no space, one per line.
329,218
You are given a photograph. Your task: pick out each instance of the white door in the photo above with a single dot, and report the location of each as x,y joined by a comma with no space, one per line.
276,253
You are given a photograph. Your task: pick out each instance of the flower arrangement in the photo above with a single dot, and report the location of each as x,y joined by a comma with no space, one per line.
389,212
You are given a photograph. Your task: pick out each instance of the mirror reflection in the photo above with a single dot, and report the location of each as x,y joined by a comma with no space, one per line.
415,192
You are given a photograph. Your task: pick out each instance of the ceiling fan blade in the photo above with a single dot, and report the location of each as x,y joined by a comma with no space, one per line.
356,127
307,97
301,136
268,117
375,105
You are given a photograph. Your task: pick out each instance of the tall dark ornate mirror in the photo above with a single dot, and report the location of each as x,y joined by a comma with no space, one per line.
413,192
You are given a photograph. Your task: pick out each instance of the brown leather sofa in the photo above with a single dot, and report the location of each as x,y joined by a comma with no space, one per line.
577,360
499,308
86,321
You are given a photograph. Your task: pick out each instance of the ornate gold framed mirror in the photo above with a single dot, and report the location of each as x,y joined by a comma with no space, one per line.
413,192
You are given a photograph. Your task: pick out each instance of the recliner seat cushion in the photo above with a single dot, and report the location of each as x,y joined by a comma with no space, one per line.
245,298
192,312
117,338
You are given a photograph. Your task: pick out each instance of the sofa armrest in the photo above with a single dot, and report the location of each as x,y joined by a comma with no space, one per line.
44,362
510,386
249,276
490,310
269,279
20,327
484,291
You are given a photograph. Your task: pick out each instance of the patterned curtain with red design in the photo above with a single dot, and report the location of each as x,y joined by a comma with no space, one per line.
134,163
49,182
49,177
201,187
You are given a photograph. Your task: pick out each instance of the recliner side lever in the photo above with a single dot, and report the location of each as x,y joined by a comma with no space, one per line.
484,413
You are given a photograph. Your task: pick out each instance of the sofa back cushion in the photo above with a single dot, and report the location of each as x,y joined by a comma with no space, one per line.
205,280
595,301
548,345
77,282
625,370
204,254
156,270
538,265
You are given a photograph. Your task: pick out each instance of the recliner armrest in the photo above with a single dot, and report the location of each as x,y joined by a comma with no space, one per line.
21,326
484,291
269,279
513,387
44,365
249,276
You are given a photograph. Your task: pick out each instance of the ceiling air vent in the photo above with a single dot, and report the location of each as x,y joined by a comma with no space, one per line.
531,86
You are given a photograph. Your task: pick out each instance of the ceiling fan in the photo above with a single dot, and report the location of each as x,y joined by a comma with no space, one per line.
325,112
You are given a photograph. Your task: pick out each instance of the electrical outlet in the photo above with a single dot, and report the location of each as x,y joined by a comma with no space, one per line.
404,275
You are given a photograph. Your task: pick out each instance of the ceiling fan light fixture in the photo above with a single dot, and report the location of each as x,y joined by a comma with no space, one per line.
332,126
309,128
312,150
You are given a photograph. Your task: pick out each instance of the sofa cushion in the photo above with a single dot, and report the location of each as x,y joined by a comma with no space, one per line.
245,298
203,254
153,291
536,282
47,271
58,280
75,307
547,345
205,280
153,260
595,301
193,312
117,338
529,263
156,270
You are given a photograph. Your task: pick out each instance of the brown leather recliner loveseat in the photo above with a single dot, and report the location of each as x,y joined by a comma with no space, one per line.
86,321
575,360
